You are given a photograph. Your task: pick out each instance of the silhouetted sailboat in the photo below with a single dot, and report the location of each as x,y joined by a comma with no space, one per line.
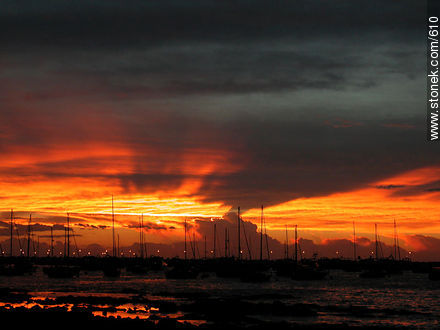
19,266
254,275
110,267
111,270
63,270
182,269
375,269
394,266
139,265
306,271
434,274
354,265
238,234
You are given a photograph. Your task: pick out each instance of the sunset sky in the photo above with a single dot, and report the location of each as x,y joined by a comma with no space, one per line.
188,109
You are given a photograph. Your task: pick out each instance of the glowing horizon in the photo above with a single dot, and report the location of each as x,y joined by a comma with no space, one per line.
319,218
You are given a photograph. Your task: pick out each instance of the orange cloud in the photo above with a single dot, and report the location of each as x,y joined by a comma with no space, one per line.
333,215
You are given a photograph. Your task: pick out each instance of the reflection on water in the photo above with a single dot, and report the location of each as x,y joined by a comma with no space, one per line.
406,300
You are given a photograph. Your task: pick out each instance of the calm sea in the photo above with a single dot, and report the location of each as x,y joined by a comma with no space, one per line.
409,299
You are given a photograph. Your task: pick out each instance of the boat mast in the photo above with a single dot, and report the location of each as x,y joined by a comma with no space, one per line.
184,251
113,228
261,234
287,244
354,242
226,242
267,242
238,225
376,243
140,236
18,239
65,242
143,240
11,234
29,235
247,242
296,244
68,235
396,242
51,241
141,244
396,237
215,239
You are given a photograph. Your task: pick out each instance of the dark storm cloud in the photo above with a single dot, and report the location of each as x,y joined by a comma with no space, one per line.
211,47
413,190
208,47
147,225
433,189
209,71
115,24
390,186
166,49
279,161
304,159
23,217
193,67
23,229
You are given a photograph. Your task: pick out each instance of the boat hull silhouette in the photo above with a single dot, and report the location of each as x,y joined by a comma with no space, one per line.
309,274
61,271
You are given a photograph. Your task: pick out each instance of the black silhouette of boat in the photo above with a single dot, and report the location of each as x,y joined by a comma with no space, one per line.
17,269
254,277
309,273
434,274
111,271
138,269
61,271
373,273
182,270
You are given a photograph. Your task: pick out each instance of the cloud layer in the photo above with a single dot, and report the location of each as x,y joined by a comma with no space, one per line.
217,103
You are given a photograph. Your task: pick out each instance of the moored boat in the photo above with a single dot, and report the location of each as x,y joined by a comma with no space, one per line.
61,271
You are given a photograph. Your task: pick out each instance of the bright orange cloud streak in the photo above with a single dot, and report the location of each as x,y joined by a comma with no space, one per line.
86,189
333,215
